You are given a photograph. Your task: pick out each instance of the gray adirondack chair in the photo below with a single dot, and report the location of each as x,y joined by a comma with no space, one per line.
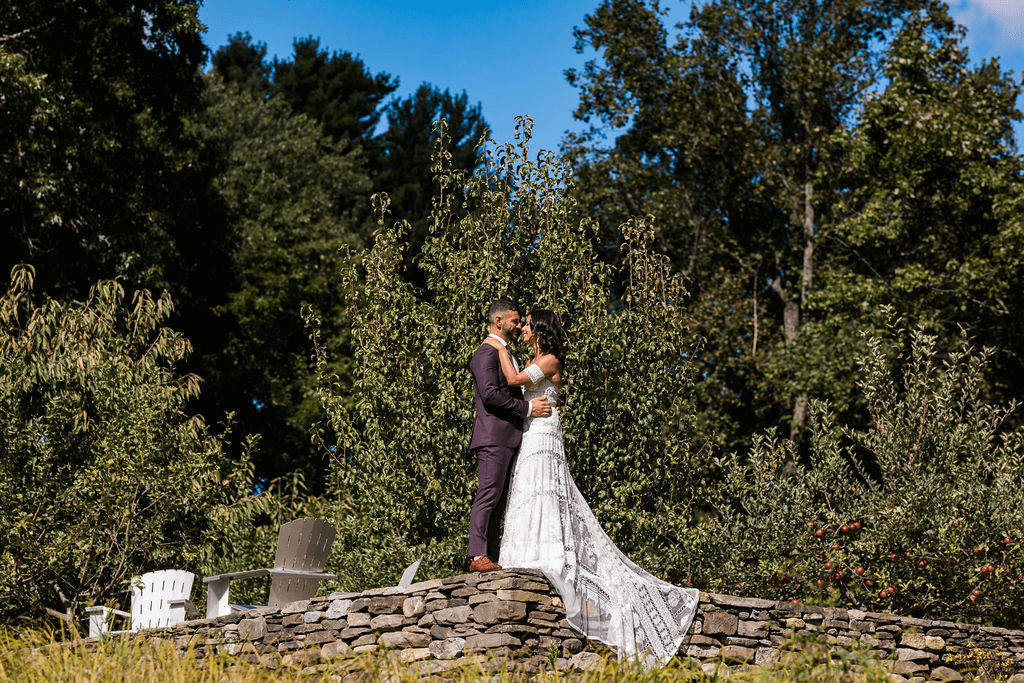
302,549
158,599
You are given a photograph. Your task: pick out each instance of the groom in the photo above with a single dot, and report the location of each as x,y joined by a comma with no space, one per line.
497,431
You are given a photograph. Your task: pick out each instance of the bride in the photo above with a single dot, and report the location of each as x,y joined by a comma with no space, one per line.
549,526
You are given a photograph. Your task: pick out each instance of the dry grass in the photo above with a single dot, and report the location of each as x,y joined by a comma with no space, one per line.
37,657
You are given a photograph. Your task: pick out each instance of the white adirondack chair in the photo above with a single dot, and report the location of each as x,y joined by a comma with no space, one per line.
302,549
158,600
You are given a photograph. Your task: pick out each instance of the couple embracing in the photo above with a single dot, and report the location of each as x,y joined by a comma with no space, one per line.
523,472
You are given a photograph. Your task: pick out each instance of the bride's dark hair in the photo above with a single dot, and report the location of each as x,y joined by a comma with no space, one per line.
548,328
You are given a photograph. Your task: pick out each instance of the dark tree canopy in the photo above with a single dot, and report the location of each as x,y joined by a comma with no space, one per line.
295,159
834,186
243,63
106,186
288,192
336,89
406,171
410,139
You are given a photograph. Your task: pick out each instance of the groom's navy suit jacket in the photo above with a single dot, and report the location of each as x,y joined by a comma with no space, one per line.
500,409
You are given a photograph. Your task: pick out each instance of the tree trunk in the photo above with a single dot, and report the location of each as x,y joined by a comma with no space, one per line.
800,403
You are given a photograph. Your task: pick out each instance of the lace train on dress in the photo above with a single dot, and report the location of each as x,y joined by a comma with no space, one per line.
549,526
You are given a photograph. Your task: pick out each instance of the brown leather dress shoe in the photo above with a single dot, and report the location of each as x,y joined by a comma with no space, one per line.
483,564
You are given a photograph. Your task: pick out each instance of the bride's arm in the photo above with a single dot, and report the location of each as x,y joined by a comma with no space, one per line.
505,362
545,366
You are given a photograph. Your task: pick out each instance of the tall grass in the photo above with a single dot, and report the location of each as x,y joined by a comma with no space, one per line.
39,657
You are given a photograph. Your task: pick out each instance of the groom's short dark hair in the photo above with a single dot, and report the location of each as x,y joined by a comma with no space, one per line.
501,307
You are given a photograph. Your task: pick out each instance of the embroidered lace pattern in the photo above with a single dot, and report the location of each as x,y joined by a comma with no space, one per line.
549,526
534,372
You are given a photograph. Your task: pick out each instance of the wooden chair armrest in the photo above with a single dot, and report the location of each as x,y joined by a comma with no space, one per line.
301,572
231,576
105,610
250,573
98,619
217,603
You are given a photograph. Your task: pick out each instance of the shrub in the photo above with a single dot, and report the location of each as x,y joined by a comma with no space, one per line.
102,473
919,513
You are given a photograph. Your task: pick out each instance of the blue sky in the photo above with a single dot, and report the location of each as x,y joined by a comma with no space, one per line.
508,56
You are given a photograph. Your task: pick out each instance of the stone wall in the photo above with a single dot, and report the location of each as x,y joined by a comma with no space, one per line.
741,631
516,618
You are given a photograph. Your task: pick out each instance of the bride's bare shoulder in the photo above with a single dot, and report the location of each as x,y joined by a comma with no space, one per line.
548,362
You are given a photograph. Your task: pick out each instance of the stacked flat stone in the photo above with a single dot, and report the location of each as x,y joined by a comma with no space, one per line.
743,632
514,619
514,616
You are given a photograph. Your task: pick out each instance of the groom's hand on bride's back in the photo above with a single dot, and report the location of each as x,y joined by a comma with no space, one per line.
541,407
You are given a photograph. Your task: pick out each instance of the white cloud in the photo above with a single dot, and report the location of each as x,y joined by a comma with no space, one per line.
995,28
1000,21
1009,13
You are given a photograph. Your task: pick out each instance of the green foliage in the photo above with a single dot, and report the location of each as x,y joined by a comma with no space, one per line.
336,89
933,210
806,163
29,110
910,514
102,473
106,188
293,155
403,475
287,193
404,169
242,64
802,165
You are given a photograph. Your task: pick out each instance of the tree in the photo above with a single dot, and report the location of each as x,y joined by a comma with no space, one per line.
102,472
932,220
339,91
334,89
735,138
29,171
290,195
915,513
402,476
243,64
294,164
107,187
406,171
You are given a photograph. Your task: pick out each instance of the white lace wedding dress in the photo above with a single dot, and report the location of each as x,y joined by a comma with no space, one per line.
549,526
